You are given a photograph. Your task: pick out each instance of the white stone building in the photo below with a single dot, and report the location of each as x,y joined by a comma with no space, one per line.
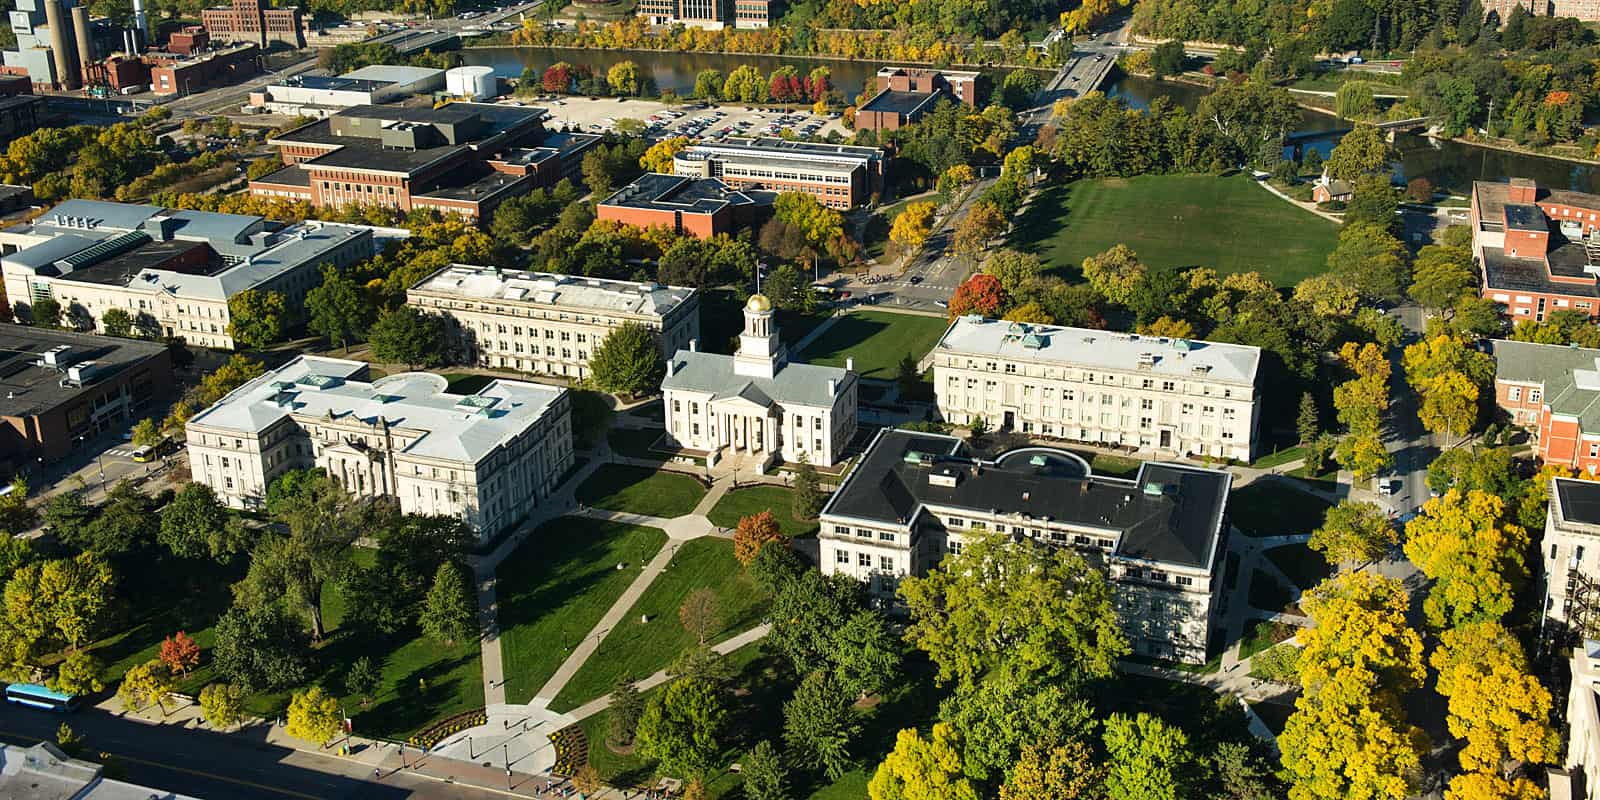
171,270
1159,536
550,324
1156,394
488,457
1571,552
757,403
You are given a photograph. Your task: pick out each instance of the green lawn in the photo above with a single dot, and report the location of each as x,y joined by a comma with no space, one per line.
877,340
1262,634
1303,565
557,586
1269,508
1177,221
756,499
634,442
639,490
1114,466
637,649
1267,592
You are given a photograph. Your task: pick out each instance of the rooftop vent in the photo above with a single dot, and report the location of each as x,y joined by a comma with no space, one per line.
946,478
57,357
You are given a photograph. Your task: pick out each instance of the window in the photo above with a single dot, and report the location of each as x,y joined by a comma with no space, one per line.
1552,551
1184,580
863,560
1533,395
842,529
886,563
841,557
885,536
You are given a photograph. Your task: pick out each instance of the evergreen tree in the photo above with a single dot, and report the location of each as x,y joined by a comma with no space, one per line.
807,494
626,706
1307,424
448,610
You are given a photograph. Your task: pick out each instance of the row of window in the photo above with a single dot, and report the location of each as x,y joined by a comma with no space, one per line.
864,533
1107,379
842,558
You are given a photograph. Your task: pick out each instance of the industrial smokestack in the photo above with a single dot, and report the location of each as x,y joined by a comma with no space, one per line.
80,27
139,20
61,50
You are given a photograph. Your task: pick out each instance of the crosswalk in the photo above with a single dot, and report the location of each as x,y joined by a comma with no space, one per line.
124,452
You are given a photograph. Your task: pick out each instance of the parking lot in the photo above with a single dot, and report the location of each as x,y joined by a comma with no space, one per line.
696,120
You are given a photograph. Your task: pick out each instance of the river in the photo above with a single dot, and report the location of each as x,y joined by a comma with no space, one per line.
1451,166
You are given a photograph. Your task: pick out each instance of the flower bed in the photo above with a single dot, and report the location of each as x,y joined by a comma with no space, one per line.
448,726
572,750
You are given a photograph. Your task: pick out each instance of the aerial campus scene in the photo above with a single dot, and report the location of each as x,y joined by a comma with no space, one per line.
800,400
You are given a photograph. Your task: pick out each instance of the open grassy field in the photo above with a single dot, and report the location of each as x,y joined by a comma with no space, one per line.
557,586
1173,221
756,499
637,649
1273,509
619,487
877,340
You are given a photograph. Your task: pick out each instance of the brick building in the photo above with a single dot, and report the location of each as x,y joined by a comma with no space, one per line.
907,93
256,22
1554,391
188,41
464,158
1499,11
700,207
1538,249
839,176
60,385
171,73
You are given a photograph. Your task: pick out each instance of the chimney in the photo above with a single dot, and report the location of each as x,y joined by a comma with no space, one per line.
80,27
672,368
139,20
850,364
831,384
61,50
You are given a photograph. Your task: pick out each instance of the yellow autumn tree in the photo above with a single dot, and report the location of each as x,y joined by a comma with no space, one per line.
314,716
911,228
1500,710
659,157
1474,561
923,769
1490,786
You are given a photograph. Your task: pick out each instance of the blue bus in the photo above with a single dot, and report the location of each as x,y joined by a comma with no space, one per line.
33,695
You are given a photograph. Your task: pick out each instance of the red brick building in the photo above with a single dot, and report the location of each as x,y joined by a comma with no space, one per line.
184,75
700,207
464,158
255,22
907,93
1554,391
192,39
1538,249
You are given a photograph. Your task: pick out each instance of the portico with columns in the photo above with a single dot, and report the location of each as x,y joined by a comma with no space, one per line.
758,403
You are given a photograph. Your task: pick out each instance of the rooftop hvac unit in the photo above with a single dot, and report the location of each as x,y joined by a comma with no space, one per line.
82,374
57,357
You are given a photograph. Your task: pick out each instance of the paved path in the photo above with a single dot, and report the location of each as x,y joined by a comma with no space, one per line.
1307,206
724,647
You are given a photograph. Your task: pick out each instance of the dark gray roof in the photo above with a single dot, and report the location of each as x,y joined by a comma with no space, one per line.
28,389
1525,217
1530,362
1566,259
1169,513
657,191
1580,500
905,104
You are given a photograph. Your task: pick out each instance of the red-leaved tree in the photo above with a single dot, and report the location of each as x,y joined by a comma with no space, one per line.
980,294
753,532
558,78
180,652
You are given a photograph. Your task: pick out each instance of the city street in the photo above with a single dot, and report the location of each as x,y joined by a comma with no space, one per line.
235,766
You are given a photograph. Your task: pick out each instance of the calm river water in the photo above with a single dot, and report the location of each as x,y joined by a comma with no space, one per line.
1449,165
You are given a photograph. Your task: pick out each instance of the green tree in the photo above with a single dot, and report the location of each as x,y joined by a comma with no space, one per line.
627,361
222,704
1115,274
923,769
865,654
1441,275
819,725
1014,269
625,79
682,727
1372,257
1373,201
362,679
146,433
1308,422
50,605
335,309
448,613
807,611
745,84
117,322
708,84
1014,605
1167,59
47,312
1066,771
1000,716
260,648
196,525
258,317
1149,759
77,674
1362,151
1354,532
408,336
765,777
808,497
321,519
314,716
627,706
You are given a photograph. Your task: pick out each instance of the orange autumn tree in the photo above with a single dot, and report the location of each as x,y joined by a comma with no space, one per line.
180,653
980,294
753,533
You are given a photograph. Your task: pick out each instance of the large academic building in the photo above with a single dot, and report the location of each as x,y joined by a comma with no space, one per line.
1172,396
546,323
1159,536
486,457
839,176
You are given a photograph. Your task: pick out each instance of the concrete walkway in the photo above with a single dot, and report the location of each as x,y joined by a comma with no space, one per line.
724,647
1312,207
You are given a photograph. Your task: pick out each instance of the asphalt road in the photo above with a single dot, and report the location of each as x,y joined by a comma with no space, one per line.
210,765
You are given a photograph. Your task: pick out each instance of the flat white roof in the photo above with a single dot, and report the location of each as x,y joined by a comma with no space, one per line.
561,291
394,74
462,428
1086,347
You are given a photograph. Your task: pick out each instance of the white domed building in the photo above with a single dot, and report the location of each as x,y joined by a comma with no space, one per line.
758,403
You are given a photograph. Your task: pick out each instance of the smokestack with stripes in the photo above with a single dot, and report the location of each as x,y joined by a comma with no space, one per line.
61,49
140,21
80,27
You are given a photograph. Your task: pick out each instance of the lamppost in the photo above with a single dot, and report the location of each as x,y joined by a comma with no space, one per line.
99,461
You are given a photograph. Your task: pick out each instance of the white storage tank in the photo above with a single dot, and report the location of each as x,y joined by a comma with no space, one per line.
477,83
